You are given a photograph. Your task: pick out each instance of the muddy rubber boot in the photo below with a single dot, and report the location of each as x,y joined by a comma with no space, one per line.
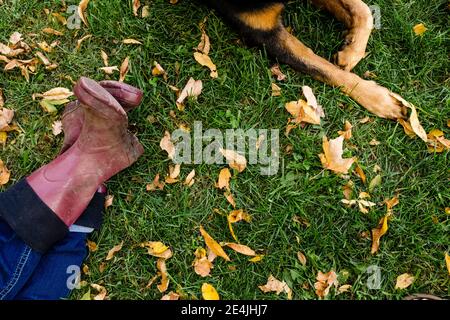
72,118
103,148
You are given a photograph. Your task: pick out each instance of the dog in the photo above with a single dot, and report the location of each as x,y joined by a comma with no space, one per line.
260,23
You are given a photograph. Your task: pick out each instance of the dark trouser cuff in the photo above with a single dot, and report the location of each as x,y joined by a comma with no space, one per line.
92,217
32,220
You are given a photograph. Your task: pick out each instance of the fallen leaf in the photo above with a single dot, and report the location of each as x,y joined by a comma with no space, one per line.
276,90
209,292
101,291
378,232
56,127
301,257
213,245
234,159
124,68
15,38
87,295
302,112
81,40
347,189
145,11
242,249
4,174
419,29
347,133
161,266
193,88
104,57
189,181
109,70
2,100
155,185
229,196
174,171
82,6
274,285
92,246
136,6
204,46
59,18
344,288
224,179
413,124
52,31
131,41
257,258
157,249
171,296
404,281
375,182
167,145
58,93
374,142
332,157
360,173
113,251
206,61
202,265
43,58
447,262
108,200
276,71
158,70
325,281
44,46
311,100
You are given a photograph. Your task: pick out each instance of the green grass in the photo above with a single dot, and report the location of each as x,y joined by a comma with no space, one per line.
416,67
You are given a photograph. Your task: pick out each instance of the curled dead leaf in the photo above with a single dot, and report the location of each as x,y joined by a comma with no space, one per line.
325,281
4,174
113,251
404,281
213,245
332,157
234,159
242,249
277,286
82,6
167,145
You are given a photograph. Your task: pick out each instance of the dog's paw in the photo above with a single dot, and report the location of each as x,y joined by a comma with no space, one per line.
379,100
349,57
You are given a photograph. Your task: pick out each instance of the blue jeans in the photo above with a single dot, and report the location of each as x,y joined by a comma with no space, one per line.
27,274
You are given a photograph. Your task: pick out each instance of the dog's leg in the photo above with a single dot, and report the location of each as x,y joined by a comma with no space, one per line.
263,26
357,17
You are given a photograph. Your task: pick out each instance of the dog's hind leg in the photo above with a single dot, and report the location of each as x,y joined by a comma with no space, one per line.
262,25
357,17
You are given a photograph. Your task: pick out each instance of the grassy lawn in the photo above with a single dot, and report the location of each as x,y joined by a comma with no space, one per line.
415,67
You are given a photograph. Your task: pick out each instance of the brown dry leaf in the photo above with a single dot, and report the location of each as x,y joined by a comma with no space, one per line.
81,40
104,58
378,232
56,94
92,246
193,88
419,29
157,249
242,249
332,157
347,133
311,100
158,70
82,6
189,181
206,61
171,295
60,18
213,245
109,70
404,281
274,285
174,171
362,204
56,127
276,90
155,185
52,31
167,145
361,174
161,266
131,41
229,196
145,11
234,159
2,100
204,46
447,262
124,68
437,142
302,258
344,288
413,124
44,46
324,283
113,251
6,116
101,291
276,71
374,142
4,174
347,189
136,6
202,265
43,58
15,38
236,216
208,291
224,179
108,200
302,112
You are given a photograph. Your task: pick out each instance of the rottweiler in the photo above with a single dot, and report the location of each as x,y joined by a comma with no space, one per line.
260,23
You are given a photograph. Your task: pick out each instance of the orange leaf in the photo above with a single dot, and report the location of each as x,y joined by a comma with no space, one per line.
213,245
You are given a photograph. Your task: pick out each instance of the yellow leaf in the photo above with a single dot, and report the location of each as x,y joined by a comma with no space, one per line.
447,262
113,251
145,11
361,174
276,90
302,258
57,94
257,258
224,179
171,296
404,281
81,40
213,245
347,133
52,31
124,69
378,232
414,125
3,137
193,88
155,185
229,196
82,6
206,61
157,249
332,157
101,292
104,57
4,174
209,292
161,266
242,249
419,29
